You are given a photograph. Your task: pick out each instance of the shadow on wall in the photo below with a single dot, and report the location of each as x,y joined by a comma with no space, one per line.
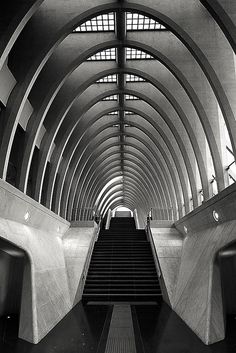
163,331
226,263
13,273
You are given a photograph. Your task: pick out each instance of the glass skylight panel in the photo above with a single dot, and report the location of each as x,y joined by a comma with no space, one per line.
134,78
138,22
136,54
130,97
113,97
101,23
107,54
129,112
115,112
108,79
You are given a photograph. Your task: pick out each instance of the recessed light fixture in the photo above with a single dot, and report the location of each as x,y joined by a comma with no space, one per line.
216,216
27,216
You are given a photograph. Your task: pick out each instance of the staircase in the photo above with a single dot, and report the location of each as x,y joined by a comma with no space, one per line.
122,266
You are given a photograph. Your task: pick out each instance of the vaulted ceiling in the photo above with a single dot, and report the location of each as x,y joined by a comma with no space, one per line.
108,103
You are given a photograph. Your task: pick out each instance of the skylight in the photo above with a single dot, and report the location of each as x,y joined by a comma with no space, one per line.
133,54
113,97
129,112
134,78
115,112
106,23
108,79
101,23
130,97
138,22
107,54
110,54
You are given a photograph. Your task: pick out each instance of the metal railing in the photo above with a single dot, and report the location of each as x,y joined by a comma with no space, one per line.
89,255
161,214
85,214
154,252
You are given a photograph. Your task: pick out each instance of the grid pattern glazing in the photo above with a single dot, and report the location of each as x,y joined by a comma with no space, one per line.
130,97
107,54
133,54
134,78
138,22
108,79
113,97
101,23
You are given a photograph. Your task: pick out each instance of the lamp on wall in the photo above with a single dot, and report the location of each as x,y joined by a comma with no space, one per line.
216,216
27,216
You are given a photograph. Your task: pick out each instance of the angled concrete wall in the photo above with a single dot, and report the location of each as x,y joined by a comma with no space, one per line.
168,243
53,279
187,259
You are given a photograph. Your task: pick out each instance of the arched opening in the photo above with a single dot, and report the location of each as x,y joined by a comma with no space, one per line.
122,211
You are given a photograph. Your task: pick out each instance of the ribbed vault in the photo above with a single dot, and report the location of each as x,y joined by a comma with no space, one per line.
140,113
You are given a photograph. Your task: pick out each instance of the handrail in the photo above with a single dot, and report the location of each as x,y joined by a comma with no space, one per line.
89,255
154,252
109,215
84,214
166,213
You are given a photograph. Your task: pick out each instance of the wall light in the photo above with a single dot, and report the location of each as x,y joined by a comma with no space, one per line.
27,216
216,216
185,230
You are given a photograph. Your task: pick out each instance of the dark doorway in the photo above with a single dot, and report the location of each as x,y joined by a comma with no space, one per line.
12,262
226,259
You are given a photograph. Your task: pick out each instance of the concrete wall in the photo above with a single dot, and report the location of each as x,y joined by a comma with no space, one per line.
77,245
168,243
187,259
53,280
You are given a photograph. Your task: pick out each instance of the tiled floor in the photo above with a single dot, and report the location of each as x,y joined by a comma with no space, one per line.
85,330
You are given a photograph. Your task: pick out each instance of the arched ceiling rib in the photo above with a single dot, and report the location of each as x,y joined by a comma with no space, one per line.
224,17
206,125
137,174
153,152
95,133
107,171
161,197
159,191
98,161
159,141
175,135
